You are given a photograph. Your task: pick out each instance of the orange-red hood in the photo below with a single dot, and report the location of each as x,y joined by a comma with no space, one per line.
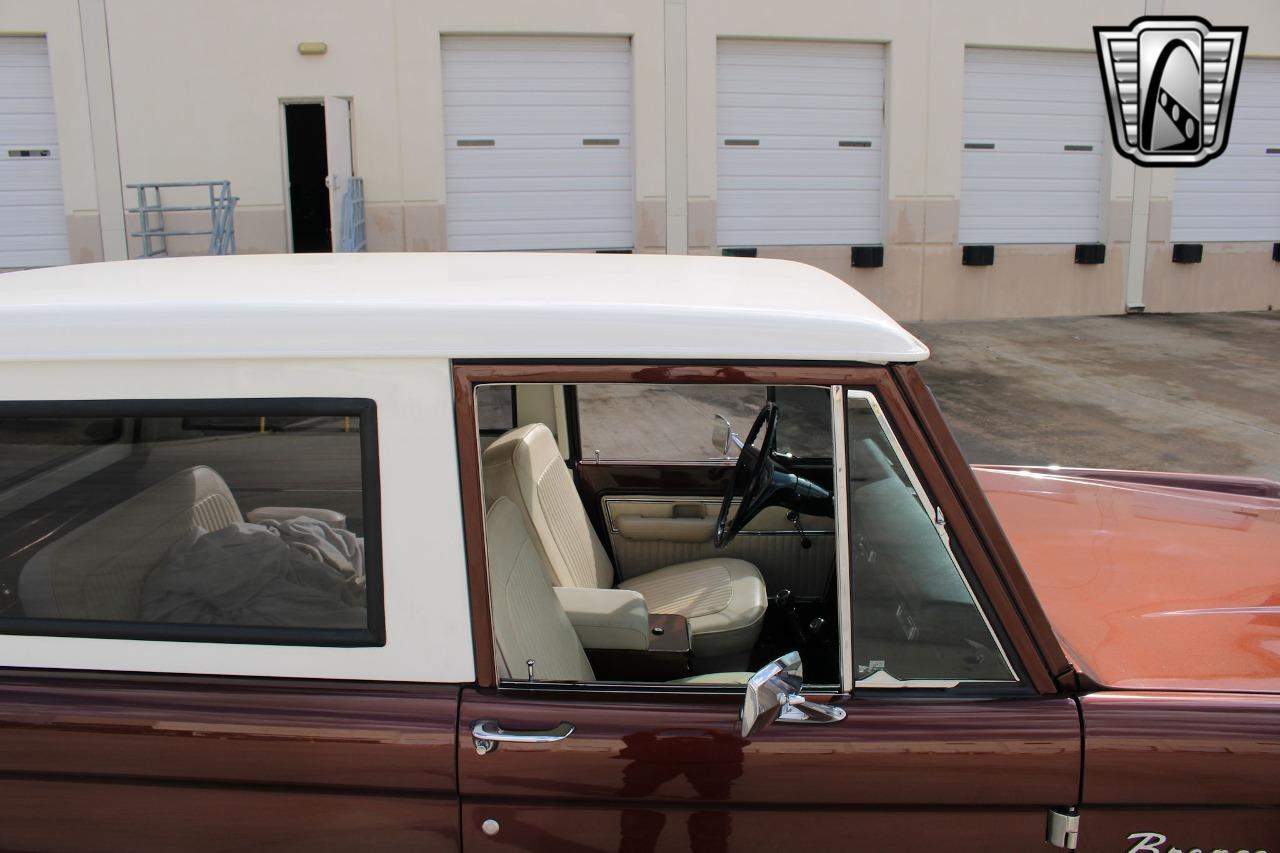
1151,585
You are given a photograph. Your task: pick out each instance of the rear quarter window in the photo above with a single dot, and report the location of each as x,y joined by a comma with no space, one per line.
225,521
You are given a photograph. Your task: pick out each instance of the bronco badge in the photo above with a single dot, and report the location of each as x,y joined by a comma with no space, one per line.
1153,842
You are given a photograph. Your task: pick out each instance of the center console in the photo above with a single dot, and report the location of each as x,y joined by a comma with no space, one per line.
666,657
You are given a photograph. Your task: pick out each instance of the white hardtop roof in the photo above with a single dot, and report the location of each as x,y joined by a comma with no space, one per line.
449,305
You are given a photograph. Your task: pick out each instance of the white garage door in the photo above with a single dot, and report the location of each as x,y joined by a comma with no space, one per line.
1237,195
538,142
33,224
1035,130
800,129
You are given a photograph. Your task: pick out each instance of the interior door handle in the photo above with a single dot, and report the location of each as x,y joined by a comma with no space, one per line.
487,734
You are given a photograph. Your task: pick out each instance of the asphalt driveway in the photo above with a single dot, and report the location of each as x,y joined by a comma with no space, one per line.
1184,392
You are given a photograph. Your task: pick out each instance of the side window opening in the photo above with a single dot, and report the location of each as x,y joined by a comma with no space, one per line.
915,617
641,611
805,434
668,423
496,411
238,521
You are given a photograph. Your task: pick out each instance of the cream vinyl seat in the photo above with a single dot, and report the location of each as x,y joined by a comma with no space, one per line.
723,599
97,570
528,621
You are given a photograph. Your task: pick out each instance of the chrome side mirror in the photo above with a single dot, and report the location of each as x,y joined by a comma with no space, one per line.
773,693
720,432
723,438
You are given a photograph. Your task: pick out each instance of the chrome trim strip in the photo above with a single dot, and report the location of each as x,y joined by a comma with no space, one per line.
633,688
885,680
844,569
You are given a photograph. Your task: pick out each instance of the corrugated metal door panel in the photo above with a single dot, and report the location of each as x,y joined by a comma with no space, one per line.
1237,195
1028,187
538,151
798,102
33,223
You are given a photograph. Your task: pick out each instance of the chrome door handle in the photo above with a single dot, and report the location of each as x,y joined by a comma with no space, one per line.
487,734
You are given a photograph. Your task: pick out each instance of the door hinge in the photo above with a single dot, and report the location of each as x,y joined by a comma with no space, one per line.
1063,828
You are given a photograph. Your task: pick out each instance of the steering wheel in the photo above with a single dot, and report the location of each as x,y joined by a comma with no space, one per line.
753,475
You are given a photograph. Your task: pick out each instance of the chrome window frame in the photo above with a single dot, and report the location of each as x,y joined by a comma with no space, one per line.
842,579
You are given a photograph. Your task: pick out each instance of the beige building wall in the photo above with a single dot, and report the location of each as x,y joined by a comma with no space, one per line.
1232,276
223,70
193,91
59,23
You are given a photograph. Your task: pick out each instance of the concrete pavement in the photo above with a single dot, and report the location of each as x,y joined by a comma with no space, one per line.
1184,392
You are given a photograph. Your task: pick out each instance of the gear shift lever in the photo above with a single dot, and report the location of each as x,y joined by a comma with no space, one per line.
805,541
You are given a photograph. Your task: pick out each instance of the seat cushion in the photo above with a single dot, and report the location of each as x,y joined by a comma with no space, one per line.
525,466
97,570
723,599
528,621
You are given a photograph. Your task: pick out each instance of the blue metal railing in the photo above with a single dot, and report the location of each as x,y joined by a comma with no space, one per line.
352,235
151,211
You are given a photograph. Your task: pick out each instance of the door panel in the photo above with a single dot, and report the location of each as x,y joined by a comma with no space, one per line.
682,827
648,532
667,753
371,758
611,490
70,817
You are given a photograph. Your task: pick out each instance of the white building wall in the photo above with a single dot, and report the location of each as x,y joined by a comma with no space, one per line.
197,89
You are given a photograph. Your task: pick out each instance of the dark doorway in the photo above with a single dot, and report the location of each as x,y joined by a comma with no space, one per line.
308,168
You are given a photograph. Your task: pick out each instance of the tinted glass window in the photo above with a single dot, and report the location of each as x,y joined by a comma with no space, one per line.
804,429
225,517
914,617
674,422
662,422
495,409
29,445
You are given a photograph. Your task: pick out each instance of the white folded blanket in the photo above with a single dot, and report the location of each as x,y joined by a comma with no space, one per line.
300,572
336,548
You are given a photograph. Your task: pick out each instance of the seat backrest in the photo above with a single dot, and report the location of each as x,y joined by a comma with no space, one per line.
525,466
528,621
97,570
